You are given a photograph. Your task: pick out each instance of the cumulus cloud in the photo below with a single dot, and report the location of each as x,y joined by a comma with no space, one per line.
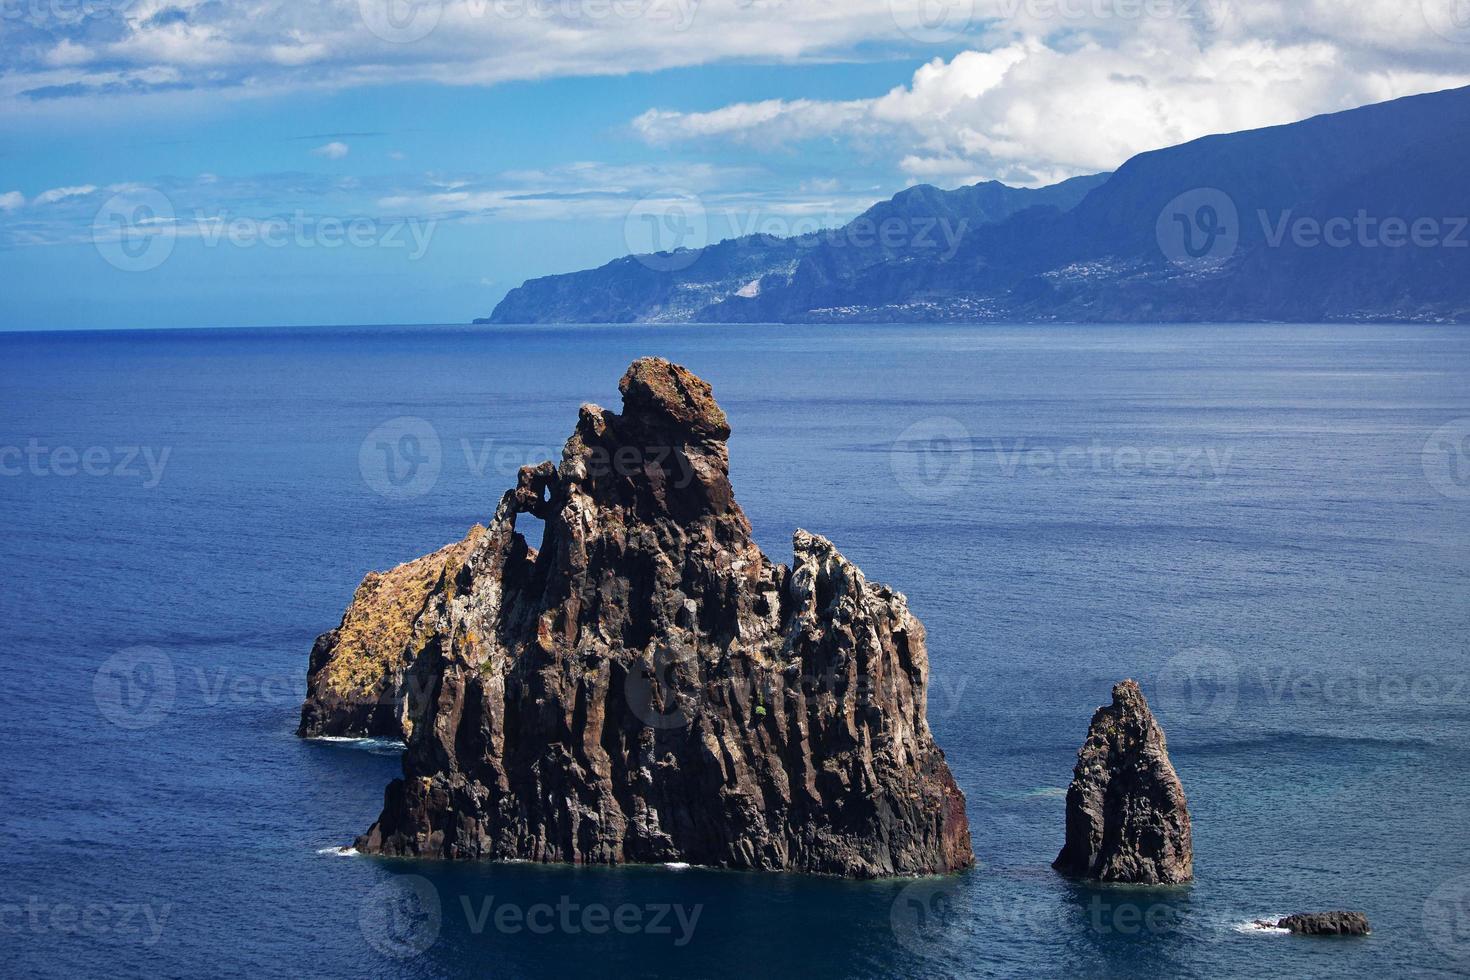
332,151
12,201
68,52
1039,89
1077,91
266,46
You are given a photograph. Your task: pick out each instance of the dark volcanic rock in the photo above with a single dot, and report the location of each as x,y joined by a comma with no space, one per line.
1127,819
649,687
1323,924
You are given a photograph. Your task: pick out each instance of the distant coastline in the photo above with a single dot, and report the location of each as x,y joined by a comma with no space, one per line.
1346,217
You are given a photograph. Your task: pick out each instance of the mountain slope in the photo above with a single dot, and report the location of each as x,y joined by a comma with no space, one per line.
681,285
1353,215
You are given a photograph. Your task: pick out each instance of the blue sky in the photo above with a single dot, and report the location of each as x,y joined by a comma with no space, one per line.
258,162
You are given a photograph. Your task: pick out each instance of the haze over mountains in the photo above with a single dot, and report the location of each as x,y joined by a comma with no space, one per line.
1358,215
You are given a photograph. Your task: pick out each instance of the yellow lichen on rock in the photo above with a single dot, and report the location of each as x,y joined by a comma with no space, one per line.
379,624
354,687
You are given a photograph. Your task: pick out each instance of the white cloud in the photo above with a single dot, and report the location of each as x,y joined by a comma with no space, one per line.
62,193
591,190
265,47
67,53
1046,88
332,151
738,200
1050,104
771,122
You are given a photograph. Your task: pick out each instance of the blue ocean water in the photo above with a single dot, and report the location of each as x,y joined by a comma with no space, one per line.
1265,525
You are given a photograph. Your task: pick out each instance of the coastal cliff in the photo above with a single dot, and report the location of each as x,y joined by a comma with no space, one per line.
354,684
650,687
1224,229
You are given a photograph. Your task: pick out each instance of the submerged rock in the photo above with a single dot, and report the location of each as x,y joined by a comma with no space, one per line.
1323,924
649,687
1127,818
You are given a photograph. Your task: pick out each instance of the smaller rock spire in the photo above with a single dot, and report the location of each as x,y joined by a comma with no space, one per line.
1127,818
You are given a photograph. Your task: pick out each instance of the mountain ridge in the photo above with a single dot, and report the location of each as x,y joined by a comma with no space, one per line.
1354,215
652,286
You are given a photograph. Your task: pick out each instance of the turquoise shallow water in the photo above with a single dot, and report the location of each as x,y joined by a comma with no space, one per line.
1265,525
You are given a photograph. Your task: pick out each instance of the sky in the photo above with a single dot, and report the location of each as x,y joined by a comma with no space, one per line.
197,163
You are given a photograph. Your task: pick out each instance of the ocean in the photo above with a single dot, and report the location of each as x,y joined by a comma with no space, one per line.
1265,525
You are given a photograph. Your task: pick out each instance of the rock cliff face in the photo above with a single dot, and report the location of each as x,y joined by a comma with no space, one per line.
355,681
1127,818
650,687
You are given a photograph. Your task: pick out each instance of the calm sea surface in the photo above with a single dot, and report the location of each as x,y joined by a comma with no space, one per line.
1269,527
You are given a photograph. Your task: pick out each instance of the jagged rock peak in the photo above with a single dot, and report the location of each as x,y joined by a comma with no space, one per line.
648,686
660,394
1127,817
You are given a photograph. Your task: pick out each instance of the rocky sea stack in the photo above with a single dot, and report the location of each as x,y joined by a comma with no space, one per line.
1127,818
1323,924
647,686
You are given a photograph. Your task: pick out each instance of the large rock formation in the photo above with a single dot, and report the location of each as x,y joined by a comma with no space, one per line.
1127,819
650,687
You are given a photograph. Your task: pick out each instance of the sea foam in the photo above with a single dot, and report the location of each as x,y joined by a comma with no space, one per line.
373,745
